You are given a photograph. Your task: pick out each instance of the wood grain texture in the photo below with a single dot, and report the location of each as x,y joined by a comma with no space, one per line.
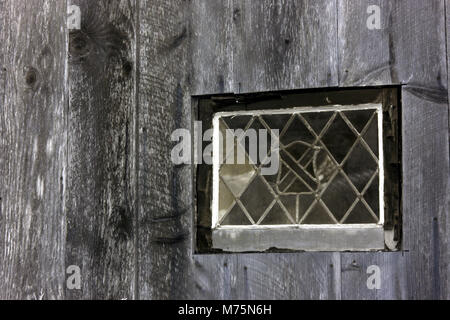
274,276
33,132
167,268
273,45
85,171
420,272
165,191
282,45
212,46
425,190
100,176
444,226
409,48
392,274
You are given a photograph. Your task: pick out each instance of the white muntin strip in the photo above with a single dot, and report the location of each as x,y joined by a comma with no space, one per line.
216,168
381,163
302,238
330,108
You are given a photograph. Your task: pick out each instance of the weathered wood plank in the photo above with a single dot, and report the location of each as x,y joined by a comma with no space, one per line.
425,192
408,49
355,274
281,45
165,191
33,150
268,52
445,224
212,46
274,276
100,175
419,272
256,37
167,268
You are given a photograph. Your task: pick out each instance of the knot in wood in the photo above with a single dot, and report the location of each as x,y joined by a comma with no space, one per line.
79,45
30,77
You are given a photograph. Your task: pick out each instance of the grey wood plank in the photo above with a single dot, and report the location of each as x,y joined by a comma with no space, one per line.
165,191
33,149
282,45
420,272
356,272
167,267
100,175
212,46
273,276
408,49
444,226
425,194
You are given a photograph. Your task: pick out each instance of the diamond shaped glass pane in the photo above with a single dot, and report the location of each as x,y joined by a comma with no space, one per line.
276,216
360,167
257,198
236,217
339,196
339,138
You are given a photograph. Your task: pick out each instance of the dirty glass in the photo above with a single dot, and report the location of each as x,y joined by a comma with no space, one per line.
329,170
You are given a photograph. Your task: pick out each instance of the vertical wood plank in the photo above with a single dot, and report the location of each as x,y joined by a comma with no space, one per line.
212,46
420,271
445,223
100,183
165,191
273,276
425,192
167,267
33,150
273,45
282,45
355,275
408,49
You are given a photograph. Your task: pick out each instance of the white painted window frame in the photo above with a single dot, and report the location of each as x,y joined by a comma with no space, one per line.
329,237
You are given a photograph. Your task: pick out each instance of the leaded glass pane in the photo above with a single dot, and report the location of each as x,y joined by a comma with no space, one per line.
329,169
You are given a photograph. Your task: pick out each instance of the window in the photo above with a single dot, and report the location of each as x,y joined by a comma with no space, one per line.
288,175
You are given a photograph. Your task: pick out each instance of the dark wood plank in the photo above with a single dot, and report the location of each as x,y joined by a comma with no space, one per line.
33,153
100,175
281,45
408,49
212,46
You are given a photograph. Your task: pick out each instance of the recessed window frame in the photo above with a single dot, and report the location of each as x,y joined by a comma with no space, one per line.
384,236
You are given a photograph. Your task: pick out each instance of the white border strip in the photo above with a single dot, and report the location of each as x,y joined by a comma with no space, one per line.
308,239
381,163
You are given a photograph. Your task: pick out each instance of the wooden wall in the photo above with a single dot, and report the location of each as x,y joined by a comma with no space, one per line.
86,118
